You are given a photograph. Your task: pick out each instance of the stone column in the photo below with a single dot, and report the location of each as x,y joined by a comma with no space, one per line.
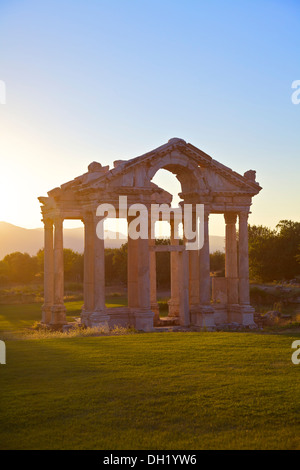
132,271
194,273
246,311
143,274
244,296
231,258
153,294
48,272
139,282
99,316
88,281
204,266
183,279
58,310
174,262
204,313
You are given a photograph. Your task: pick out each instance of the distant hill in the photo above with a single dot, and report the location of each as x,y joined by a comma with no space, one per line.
14,238
216,243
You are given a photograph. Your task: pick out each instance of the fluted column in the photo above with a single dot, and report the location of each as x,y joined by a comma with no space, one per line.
204,266
58,309
183,280
143,274
153,290
245,315
139,282
132,271
244,297
88,281
193,273
99,316
174,263
48,272
231,258
203,315
99,273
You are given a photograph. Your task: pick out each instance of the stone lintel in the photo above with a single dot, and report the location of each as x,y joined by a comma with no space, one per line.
159,248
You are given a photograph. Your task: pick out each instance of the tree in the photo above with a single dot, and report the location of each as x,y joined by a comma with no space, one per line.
217,262
273,253
298,255
116,264
19,267
73,265
262,253
288,243
120,263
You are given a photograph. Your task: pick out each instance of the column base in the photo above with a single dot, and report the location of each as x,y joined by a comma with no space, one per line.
84,316
203,316
220,313
99,319
58,315
46,314
242,314
143,319
155,309
173,310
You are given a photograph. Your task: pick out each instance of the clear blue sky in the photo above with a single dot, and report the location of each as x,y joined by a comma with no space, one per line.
107,80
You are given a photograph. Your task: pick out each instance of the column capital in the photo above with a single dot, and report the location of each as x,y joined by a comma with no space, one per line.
243,216
88,217
48,222
58,219
230,217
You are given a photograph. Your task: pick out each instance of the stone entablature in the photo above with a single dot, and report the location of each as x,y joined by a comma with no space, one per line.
203,181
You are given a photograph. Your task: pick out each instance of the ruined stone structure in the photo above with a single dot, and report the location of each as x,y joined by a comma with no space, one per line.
203,181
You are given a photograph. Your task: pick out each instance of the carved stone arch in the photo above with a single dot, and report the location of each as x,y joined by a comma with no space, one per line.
188,173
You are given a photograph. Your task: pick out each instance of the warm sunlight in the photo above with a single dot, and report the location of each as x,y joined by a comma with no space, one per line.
121,116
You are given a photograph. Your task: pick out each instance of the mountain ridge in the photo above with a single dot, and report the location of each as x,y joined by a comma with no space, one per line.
30,240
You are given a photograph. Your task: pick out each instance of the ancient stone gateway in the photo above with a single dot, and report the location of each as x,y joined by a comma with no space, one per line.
203,181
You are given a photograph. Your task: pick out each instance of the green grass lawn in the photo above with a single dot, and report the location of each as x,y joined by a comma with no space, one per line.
147,391
16,317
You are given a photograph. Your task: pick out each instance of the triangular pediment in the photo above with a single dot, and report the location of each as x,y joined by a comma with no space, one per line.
218,177
202,179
